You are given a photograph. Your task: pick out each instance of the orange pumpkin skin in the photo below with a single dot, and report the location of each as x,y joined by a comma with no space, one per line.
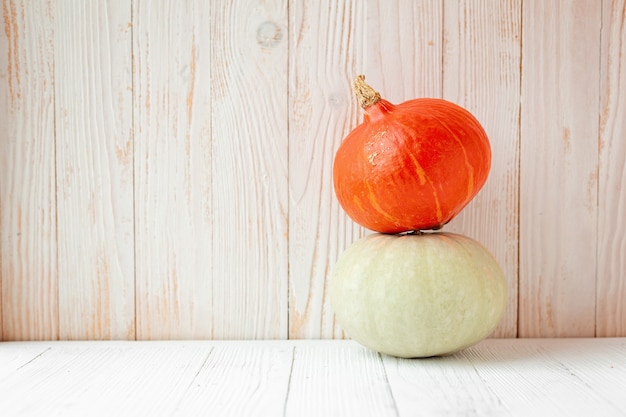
411,166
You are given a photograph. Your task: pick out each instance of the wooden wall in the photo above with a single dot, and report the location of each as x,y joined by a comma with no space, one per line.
165,166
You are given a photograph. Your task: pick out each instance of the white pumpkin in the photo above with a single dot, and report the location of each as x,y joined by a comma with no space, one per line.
417,295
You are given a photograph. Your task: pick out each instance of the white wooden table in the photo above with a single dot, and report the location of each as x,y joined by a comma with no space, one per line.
523,377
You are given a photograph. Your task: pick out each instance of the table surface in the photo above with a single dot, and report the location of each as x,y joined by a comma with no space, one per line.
497,377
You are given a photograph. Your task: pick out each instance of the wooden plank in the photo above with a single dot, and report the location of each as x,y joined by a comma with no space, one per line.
173,160
481,72
4,121
249,168
324,58
94,149
529,377
519,377
611,290
404,51
321,98
559,162
242,379
447,385
109,379
338,380
596,364
28,264
186,205
14,356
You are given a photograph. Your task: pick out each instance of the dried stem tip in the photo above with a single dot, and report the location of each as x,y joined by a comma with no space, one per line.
365,94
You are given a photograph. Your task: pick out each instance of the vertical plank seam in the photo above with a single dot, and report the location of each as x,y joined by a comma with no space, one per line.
1,279
4,11
133,156
1,298
519,167
211,199
56,185
598,161
288,206
443,47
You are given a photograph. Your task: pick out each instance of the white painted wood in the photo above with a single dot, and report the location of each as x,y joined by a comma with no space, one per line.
12,358
404,50
174,220
545,377
611,290
249,168
94,170
326,54
260,373
191,168
28,247
338,380
103,379
440,387
559,168
481,72
597,373
503,377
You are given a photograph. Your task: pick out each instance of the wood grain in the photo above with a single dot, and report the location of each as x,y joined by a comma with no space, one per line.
611,289
559,166
261,373
323,377
322,112
441,386
537,377
11,360
174,220
166,168
481,72
83,379
28,245
249,169
94,170
404,49
499,377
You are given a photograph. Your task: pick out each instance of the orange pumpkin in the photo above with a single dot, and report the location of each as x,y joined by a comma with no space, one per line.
411,166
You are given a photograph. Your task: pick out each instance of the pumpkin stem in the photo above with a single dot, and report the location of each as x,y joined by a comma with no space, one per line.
365,95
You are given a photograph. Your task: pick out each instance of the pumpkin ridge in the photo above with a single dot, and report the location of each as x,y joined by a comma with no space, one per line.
468,165
406,132
404,162
423,176
374,202
438,212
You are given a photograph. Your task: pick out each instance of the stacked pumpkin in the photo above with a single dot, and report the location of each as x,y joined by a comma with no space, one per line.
411,290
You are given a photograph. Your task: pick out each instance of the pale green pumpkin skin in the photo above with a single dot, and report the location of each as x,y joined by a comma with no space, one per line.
418,295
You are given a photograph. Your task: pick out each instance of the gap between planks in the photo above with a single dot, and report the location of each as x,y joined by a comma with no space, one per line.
299,378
